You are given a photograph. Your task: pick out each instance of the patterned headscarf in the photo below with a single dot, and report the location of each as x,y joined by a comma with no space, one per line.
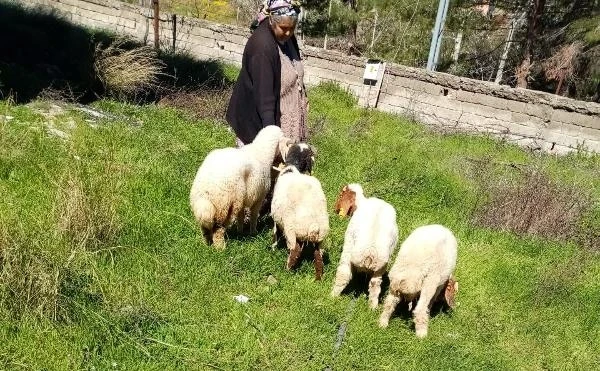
289,8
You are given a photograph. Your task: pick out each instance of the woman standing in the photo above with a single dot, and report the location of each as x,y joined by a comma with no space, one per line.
270,88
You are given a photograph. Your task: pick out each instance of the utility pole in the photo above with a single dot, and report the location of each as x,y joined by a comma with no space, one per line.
328,18
374,29
436,35
514,24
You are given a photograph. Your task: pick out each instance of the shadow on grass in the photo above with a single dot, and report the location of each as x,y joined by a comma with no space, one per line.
359,285
43,51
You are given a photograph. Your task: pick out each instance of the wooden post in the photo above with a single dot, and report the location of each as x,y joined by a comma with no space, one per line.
156,18
174,20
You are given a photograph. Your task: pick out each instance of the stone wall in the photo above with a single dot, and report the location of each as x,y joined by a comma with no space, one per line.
540,120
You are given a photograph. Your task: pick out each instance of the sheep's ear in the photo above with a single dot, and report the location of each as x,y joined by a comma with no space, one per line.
313,150
337,205
284,145
450,292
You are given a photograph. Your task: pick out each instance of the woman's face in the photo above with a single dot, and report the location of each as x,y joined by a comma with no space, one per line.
283,28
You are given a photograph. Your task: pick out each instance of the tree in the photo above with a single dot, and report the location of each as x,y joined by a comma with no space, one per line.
534,15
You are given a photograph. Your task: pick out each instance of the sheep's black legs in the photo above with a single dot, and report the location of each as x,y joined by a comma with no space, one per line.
318,256
207,233
241,221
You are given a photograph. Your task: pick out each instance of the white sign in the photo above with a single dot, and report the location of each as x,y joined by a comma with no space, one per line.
371,71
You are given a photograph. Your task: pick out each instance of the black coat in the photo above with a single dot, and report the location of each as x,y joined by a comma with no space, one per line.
255,99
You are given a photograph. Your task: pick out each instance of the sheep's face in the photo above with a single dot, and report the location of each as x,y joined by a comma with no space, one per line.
450,292
346,202
302,156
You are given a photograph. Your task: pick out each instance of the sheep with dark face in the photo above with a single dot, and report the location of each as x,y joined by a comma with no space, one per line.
299,155
369,241
299,210
423,270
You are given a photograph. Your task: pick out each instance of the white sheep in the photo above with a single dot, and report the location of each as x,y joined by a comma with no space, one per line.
370,239
424,267
231,180
299,210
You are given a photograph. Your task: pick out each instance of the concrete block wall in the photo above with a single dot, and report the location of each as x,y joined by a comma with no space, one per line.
530,118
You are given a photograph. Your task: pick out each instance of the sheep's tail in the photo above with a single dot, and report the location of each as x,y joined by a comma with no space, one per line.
367,262
204,212
314,233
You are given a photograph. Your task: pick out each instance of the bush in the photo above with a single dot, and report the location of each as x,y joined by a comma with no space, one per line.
529,202
126,72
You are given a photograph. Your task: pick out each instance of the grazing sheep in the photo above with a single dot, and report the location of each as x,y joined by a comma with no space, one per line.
301,155
299,210
369,241
231,180
423,268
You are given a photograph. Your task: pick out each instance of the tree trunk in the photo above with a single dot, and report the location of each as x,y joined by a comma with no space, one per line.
535,12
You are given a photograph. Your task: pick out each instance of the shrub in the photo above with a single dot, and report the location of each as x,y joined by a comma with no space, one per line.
127,72
527,201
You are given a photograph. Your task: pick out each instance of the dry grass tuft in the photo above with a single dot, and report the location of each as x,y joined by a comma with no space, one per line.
45,275
200,104
562,65
88,219
66,94
528,202
28,279
128,71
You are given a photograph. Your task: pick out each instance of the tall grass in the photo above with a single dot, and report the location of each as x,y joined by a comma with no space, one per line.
128,71
102,265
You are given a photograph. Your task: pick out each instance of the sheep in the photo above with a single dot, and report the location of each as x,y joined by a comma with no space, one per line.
370,239
424,267
301,155
231,180
299,210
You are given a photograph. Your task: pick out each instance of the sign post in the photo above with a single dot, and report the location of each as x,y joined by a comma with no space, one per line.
372,80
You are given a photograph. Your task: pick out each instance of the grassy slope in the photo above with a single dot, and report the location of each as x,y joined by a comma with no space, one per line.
155,297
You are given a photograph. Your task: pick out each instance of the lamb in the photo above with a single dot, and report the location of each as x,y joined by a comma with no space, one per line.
301,155
424,267
370,239
231,180
299,210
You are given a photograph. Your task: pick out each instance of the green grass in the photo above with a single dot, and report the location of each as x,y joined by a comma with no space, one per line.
121,279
